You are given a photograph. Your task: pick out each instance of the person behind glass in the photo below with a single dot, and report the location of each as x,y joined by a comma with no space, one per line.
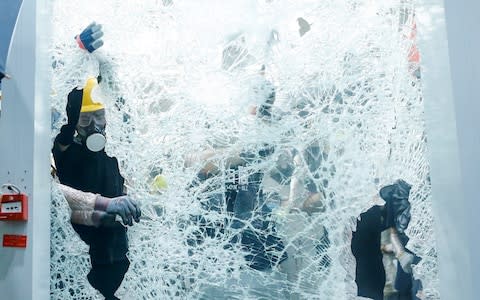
243,198
366,239
83,165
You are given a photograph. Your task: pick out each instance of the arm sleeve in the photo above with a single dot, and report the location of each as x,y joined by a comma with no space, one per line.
87,217
78,200
84,201
107,72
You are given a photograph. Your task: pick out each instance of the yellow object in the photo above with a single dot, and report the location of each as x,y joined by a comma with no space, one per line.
88,104
159,183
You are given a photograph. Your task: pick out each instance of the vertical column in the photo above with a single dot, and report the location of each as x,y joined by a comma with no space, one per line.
463,23
450,76
24,154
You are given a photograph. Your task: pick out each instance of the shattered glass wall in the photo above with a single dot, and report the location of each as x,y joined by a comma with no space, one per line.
310,106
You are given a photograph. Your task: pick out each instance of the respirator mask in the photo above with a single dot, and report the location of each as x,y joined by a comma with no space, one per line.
91,127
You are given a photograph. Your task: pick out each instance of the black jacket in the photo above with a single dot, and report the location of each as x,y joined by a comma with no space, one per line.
98,173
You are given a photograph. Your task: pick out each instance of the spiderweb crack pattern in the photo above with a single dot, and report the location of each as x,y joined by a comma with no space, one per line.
180,77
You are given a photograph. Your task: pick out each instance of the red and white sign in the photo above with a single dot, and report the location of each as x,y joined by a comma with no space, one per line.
14,240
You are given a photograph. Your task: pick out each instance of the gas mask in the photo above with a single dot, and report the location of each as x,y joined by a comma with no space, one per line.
91,128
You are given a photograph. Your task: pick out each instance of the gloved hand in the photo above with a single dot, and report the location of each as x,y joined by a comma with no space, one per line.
124,206
90,38
74,105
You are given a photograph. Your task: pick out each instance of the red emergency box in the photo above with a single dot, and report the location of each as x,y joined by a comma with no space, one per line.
14,207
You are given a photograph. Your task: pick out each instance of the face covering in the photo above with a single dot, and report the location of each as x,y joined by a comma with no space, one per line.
91,127
95,142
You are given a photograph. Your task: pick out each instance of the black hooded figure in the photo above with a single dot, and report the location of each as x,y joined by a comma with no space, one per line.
94,172
366,240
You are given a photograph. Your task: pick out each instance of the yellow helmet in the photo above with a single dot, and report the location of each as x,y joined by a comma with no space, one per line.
88,105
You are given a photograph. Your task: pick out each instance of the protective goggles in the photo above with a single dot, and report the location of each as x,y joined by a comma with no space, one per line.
86,118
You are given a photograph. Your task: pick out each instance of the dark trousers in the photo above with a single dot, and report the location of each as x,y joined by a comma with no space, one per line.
106,278
370,278
108,249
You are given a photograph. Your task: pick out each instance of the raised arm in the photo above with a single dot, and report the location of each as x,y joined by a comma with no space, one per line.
89,40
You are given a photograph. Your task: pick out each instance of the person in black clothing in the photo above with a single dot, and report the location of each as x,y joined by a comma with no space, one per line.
366,240
241,197
245,203
370,273
82,164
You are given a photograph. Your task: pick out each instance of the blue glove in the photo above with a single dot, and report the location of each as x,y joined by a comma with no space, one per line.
90,38
124,206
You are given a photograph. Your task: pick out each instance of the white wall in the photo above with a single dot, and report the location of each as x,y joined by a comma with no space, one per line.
463,25
24,155
450,73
